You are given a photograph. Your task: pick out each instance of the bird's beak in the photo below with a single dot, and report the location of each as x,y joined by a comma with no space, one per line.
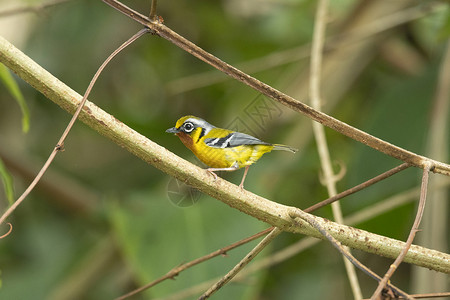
173,130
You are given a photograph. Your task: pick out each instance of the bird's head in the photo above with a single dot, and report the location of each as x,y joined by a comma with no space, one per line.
190,129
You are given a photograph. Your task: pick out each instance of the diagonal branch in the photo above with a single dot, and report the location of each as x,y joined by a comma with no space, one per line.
177,270
358,135
412,234
60,144
37,8
153,7
248,258
319,131
344,251
358,187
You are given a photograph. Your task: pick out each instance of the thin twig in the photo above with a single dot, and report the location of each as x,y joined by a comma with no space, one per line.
319,131
248,258
177,270
57,188
316,54
427,296
412,234
31,8
9,231
153,7
358,188
436,232
60,145
382,24
358,135
306,217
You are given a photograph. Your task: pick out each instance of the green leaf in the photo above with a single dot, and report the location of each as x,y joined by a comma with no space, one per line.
13,88
444,31
7,183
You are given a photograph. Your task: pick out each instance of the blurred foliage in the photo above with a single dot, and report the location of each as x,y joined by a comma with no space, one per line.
11,85
7,181
102,222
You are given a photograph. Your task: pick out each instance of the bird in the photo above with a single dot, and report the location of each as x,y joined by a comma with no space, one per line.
222,149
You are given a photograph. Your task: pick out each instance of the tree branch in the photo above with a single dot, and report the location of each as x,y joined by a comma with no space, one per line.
177,270
298,213
330,178
421,207
60,144
248,258
37,8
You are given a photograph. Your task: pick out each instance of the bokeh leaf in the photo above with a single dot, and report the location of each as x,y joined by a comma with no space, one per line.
444,31
13,88
7,182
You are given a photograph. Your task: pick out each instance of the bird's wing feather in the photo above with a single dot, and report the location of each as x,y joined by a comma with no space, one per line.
234,139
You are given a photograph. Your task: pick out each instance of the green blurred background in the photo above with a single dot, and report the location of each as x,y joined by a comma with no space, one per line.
102,222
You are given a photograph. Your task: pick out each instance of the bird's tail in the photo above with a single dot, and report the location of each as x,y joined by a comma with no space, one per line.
284,147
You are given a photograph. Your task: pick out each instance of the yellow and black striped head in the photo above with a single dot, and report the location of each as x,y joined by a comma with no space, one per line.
190,129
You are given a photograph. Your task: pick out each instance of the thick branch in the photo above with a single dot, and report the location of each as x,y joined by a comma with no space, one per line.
161,158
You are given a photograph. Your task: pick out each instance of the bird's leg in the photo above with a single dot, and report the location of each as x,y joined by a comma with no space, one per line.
234,167
243,178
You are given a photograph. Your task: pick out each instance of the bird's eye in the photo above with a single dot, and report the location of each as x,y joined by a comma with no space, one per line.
188,127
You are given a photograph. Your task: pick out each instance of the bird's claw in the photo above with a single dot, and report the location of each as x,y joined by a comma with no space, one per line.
213,174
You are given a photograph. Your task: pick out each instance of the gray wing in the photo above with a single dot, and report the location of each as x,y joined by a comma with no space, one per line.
234,139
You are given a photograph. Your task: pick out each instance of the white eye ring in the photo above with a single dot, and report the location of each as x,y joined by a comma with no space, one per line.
188,127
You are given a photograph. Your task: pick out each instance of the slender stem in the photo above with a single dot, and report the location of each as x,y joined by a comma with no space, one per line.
316,53
177,270
427,296
435,234
319,131
36,179
306,217
7,233
248,258
276,59
60,145
412,234
31,8
358,188
153,7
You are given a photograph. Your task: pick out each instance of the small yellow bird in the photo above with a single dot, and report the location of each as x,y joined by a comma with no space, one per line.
222,149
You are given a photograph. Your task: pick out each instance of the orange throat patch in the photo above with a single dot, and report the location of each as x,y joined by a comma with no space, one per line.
186,139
